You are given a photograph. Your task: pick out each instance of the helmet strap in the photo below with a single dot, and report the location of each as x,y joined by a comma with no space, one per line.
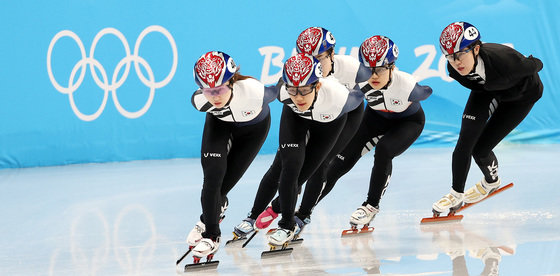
390,78
230,97
475,61
314,98
332,66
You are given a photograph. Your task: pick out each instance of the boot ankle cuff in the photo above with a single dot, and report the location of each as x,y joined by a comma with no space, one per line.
486,184
457,194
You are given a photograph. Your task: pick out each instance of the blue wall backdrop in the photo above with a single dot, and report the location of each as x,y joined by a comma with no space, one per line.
99,81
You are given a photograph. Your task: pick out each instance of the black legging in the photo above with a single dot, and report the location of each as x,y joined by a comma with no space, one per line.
390,137
295,160
267,191
314,189
226,153
479,134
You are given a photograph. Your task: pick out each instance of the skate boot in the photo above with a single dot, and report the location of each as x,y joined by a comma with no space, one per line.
195,235
300,224
240,232
363,215
456,253
488,253
491,258
206,248
243,229
481,190
448,203
280,237
266,218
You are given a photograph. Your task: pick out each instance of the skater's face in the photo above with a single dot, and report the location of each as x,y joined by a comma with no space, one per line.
303,96
325,58
463,61
219,95
380,76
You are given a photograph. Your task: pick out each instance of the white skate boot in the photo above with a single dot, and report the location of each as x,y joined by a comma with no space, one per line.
449,203
246,227
280,237
486,253
363,215
481,190
491,259
195,235
206,248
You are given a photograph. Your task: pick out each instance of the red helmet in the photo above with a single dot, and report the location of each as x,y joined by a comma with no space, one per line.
457,36
213,69
301,70
314,40
378,50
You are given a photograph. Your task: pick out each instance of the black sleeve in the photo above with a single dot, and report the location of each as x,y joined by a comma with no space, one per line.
462,80
363,74
278,87
355,98
528,67
270,94
506,66
420,93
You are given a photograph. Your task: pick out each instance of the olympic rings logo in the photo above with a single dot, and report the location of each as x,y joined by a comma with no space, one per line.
115,83
89,252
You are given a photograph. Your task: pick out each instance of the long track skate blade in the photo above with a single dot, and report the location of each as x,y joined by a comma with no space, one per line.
450,218
201,266
250,238
296,241
276,252
467,205
507,249
351,232
234,240
184,255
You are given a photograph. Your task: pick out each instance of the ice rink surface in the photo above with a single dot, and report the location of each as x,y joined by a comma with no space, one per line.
132,219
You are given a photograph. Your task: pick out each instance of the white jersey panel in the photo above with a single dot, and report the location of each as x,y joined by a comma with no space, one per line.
395,97
245,105
345,70
330,101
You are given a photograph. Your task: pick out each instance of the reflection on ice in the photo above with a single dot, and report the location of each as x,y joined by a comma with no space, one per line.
455,241
132,219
